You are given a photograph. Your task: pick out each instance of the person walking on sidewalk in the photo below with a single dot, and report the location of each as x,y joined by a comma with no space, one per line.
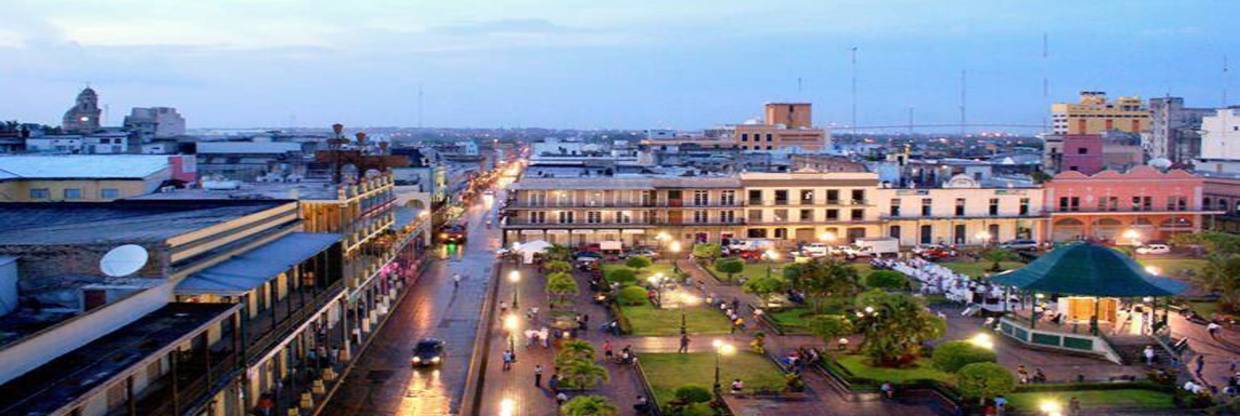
1201,363
1213,329
607,353
507,360
538,370
456,281
684,344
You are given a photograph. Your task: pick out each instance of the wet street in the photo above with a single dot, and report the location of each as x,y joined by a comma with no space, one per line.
382,381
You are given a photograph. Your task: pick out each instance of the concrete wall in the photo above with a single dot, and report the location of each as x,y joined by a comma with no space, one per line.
91,190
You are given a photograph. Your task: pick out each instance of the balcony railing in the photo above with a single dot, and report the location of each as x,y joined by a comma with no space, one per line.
261,333
615,204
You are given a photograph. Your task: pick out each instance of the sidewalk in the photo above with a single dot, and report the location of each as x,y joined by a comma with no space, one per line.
516,386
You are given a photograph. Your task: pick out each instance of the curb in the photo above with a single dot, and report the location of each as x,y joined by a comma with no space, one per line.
471,402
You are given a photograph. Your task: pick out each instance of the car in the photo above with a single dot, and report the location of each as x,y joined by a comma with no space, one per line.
816,250
453,234
934,251
427,352
644,252
1019,245
1154,249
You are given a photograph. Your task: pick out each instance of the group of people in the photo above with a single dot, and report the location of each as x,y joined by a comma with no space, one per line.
1023,376
936,279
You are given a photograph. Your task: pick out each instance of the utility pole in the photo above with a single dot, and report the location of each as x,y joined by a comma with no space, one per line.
963,86
910,119
419,105
854,90
1046,84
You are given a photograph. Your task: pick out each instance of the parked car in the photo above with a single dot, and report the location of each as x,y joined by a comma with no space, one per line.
1018,245
647,252
877,246
934,251
1154,249
816,250
749,245
427,352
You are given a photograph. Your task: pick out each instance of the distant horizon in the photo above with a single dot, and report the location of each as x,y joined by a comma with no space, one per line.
685,66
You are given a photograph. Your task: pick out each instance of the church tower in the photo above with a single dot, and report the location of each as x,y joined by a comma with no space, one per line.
83,117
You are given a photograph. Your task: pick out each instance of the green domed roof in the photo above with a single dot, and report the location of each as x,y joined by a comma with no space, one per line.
1089,270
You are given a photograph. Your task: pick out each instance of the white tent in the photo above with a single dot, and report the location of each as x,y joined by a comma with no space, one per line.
530,248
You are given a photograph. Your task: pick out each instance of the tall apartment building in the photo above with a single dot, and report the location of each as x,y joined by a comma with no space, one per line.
962,212
784,125
1174,129
1095,115
1220,142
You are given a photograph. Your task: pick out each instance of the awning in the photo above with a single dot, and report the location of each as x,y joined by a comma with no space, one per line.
244,272
557,231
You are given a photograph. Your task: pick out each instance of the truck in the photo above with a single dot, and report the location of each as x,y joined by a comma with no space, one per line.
873,247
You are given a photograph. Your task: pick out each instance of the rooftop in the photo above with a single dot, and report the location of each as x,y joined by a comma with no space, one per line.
62,381
117,221
310,189
81,166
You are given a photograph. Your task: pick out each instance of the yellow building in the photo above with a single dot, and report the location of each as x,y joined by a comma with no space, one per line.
784,125
1095,115
81,178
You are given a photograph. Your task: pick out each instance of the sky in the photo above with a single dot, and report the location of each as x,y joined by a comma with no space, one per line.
686,64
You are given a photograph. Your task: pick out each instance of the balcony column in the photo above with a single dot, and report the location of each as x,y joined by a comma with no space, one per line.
176,394
206,357
129,396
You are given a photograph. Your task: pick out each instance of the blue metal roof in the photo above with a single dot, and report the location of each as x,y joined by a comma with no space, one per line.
242,273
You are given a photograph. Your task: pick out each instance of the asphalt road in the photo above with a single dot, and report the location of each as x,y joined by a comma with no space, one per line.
382,382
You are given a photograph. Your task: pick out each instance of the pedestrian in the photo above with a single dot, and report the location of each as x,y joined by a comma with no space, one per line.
1149,355
560,398
888,390
1074,407
1201,363
607,353
736,304
1000,404
1213,329
1022,374
737,386
554,383
507,357
503,309
456,281
585,322
684,344
538,370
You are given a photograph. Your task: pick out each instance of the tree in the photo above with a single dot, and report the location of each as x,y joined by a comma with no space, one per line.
822,279
1213,242
764,287
582,374
559,252
1222,275
895,325
886,279
632,295
996,256
690,394
707,252
589,405
984,380
575,350
830,327
622,276
729,265
1040,177
951,356
561,286
638,262
558,266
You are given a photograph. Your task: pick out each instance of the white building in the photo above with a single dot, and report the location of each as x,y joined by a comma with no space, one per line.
962,212
155,122
1220,142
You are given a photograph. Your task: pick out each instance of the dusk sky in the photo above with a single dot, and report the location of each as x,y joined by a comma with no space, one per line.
582,64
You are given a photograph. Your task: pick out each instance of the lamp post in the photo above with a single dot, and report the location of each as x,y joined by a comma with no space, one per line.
675,248
510,324
985,237
771,256
657,282
515,277
1133,236
721,348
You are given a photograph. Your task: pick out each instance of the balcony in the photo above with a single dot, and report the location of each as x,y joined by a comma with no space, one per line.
615,204
276,323
517,223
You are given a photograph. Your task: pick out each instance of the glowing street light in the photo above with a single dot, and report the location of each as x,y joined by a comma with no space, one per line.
511,325
1050,408
982,340
827,237
1133,236
721,348
507,407
772,256
984,236
675,247
515,277
1154,270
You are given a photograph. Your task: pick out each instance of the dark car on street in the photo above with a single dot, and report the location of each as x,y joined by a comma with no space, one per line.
428,352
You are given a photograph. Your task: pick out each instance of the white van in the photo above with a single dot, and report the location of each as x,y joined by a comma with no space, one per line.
750,245
873,247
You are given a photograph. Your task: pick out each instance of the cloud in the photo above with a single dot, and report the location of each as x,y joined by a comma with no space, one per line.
504,27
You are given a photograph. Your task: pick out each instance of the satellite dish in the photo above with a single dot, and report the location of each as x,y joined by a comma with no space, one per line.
123,261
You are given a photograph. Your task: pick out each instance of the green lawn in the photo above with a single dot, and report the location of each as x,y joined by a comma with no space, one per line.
1204,308
859,366
979,269
665,268
752,270
667,371
792,320
1175,267
1127,398
648,321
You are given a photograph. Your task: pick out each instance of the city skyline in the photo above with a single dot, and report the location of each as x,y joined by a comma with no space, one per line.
548,64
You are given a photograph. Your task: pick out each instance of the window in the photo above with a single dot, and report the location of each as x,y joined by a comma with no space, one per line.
781,215
109,193
1073,203
594,217
994,206
699,217
833,215
927,236
755,197
768,148
72,194
781,233
1024,206
833,196
959,236
727,217
624,217
744,137
858,196
1082,150
755,215
756,233
727,197
807,197
538,217
894,232
781,197
1205,204
1147,203
807,215
40,193
858,214
959,206
895,207
566,217
700,198
768,138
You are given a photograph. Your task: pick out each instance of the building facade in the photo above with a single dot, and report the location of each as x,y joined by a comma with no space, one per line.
785,125
87,178
83,117
154,123
1173,133
962,212
1105,206
1093,114
1220,142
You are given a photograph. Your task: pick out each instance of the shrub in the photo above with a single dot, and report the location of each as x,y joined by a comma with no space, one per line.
707,251
622,276
886,279
557,266
632,295
692,393
729,265
984,380
638,262
952,355
589,405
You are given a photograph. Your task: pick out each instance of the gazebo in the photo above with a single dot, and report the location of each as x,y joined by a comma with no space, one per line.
1089,281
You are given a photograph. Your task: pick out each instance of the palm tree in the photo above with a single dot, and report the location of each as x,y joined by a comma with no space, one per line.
575,350
1222,275
589,405
582,374
561,285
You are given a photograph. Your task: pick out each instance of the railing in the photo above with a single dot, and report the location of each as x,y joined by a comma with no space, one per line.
649,223
617,204
193,387
282,329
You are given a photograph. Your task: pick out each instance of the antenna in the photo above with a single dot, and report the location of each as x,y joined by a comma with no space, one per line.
798,86
419,105
910,119
123,260
854,90
963,87
1224,103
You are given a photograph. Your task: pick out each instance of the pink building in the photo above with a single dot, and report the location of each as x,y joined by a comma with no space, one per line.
1082,153
1125,208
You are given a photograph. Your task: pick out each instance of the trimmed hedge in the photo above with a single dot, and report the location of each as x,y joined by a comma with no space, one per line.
950,356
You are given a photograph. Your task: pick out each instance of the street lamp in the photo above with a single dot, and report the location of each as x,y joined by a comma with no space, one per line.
515,277
985,237
510,325
657,281
675,247
772,256
721,348
982,340
1133,236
